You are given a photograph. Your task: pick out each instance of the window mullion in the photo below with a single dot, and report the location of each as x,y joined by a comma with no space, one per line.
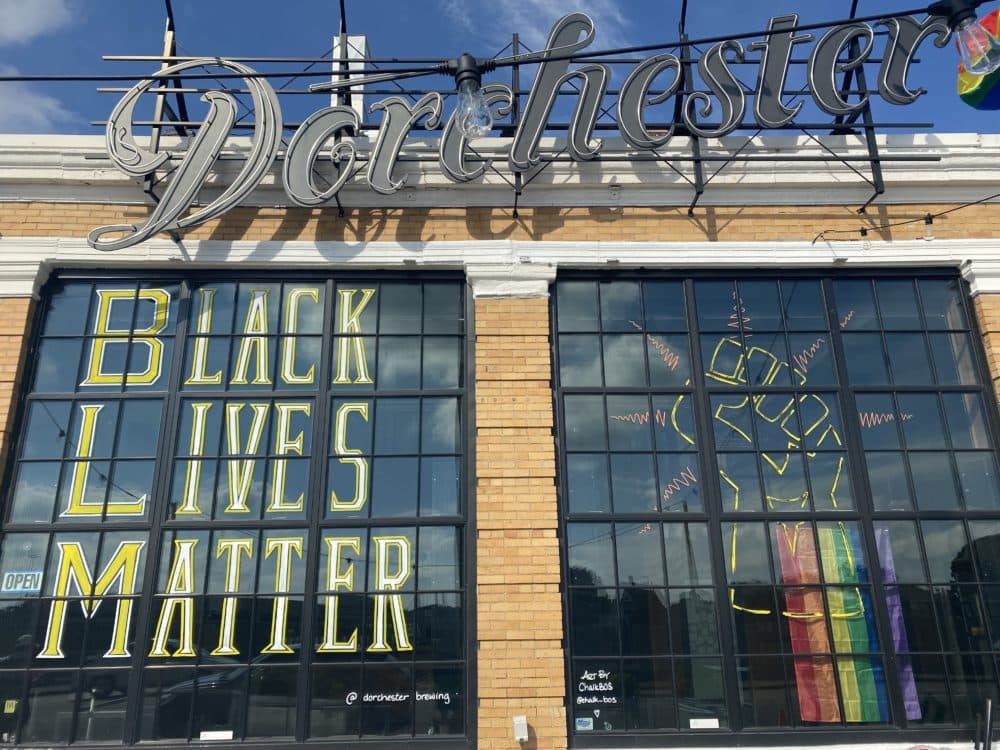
157,515
316,503
708,464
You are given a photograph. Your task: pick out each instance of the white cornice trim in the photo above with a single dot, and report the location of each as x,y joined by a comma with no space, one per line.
510,279
983,276
497,267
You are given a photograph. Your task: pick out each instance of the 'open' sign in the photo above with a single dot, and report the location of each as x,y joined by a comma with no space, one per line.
21,582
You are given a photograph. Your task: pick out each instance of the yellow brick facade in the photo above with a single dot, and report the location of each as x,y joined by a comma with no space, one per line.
15,327
722,224
520,663
520,658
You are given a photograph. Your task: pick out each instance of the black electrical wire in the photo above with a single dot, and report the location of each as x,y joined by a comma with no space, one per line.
525,59
926,219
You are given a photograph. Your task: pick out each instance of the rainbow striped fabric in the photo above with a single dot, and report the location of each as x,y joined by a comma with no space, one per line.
981,92
860,678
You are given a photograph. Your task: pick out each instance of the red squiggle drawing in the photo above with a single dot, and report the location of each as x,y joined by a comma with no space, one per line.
846,319
739,315
686,478
642,417
670,358
802,360
874,418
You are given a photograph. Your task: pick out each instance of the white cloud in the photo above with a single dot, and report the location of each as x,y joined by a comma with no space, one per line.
25,20
24,110
533,19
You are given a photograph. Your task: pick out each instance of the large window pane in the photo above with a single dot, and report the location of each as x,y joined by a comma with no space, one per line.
270,513
842,581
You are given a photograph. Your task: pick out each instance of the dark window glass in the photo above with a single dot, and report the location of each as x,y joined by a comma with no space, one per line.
663,305
440,698
624,360
49,709
580,360
650,702
577,306
587,483
333,713
803,304
942,303
621,306
908,359
866,363
855,304
845,480
230,476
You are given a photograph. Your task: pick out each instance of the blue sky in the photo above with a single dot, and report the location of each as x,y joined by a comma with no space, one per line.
69,36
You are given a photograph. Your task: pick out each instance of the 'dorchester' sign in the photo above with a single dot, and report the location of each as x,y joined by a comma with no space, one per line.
840,49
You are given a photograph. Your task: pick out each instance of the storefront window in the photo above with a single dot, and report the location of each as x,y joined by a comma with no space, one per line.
781,504
237,512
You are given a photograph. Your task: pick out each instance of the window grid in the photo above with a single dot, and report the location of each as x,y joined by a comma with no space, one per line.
174,396
861,513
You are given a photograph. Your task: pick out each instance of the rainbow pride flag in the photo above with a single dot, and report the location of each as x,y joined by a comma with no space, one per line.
981,92
814,676
861,678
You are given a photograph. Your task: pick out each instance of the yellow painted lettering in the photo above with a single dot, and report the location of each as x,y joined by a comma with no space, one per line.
292,301
196,447
233,550
338,580
349,322
285,444
241,471
73,576
284,547
199,355
390,605
78,505
347,456
253,345
105,336
180,581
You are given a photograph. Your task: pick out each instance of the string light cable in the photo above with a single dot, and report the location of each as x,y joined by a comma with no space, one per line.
446,67
927,219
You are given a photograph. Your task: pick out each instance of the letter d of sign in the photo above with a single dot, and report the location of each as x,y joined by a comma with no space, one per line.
199,158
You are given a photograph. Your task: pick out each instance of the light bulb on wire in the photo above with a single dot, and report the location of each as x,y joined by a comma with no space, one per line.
978,47
472,115
474,118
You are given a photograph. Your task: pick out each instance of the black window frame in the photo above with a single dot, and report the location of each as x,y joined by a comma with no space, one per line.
313,525
863,514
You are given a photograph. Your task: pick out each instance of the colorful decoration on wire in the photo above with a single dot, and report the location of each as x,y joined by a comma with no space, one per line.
981,92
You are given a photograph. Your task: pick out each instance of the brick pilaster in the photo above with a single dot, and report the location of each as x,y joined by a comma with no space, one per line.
520,622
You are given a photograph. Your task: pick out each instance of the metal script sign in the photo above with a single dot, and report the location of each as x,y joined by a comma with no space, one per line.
652,81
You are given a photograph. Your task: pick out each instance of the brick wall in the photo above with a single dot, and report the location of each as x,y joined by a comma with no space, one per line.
520,658
15,322
519,607
987,307
736,223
